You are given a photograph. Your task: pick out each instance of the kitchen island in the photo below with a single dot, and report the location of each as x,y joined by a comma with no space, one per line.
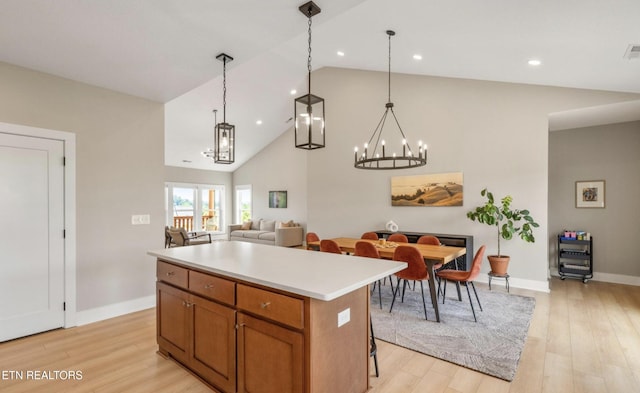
256,318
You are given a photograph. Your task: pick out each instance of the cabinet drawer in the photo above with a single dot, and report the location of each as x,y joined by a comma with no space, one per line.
173,274
274,306
213,287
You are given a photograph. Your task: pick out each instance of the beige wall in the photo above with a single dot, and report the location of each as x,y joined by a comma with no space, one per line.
495,133
609,153
119,172
278,167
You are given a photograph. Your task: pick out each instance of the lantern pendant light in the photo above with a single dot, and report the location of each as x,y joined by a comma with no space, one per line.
309,108
225,135
374,154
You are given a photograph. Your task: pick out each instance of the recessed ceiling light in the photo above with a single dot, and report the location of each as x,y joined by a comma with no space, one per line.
534,62
417,57
293,91
258,122
340,53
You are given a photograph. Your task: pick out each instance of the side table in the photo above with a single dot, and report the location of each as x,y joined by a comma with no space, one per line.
505,276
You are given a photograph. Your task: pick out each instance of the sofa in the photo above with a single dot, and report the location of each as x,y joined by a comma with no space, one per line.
278,233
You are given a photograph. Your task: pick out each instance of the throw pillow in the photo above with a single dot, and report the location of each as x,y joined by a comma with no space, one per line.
255,224
269,226
246,226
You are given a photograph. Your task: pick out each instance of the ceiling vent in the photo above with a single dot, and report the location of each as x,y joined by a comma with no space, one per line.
633,52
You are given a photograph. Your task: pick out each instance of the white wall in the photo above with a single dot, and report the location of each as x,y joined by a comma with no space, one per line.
278,167
495,133
119,172
609,153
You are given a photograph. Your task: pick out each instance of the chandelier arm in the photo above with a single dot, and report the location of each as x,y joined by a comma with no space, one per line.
400,128
382,123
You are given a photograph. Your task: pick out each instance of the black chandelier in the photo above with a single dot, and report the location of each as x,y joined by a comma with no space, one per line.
377,156
309,108
225,134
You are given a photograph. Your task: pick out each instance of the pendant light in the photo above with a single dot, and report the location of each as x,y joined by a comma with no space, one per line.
224,142
376,154
309,108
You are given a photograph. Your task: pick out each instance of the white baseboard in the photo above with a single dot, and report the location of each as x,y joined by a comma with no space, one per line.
514,282
114,310
608,277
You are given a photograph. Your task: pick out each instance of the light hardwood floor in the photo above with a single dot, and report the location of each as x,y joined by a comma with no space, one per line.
583,338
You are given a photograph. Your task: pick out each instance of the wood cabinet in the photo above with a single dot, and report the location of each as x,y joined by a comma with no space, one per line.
243,337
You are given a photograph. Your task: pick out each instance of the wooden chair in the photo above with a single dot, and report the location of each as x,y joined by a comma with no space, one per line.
464,277
368,250
328,245
311,237
369,236
417,270
398,238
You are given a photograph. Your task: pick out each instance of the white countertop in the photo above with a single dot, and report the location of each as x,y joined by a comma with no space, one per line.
315,274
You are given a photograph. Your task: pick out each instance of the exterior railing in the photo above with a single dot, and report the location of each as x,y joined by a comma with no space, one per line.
186,222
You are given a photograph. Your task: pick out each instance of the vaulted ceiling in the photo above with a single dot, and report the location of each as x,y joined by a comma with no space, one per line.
164,50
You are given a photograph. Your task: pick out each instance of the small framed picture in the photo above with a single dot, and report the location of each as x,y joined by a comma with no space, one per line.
277,199
590,193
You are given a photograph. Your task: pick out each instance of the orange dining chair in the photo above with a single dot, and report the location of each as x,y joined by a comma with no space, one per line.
433,241
369,236
428,239
417,270
398,238
464,277
328,245
368,250
311,237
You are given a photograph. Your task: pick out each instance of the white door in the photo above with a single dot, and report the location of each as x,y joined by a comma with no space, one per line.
31,235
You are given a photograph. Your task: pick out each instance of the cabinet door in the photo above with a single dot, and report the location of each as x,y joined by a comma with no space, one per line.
172,319
270,357
213,343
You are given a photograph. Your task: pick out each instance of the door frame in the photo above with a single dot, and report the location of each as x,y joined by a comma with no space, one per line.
68,140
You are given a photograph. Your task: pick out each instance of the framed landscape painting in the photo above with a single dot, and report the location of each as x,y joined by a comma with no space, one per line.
441,189
590,193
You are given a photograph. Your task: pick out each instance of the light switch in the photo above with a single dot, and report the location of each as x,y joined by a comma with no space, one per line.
140,219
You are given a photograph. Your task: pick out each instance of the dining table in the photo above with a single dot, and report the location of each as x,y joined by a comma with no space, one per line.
433,256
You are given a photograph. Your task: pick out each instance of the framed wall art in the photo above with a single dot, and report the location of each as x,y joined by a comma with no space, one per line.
277,199
438,189
590,193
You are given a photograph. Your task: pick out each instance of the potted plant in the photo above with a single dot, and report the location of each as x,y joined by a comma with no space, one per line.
509,222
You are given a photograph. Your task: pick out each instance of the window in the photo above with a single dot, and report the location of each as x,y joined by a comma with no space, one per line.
243,204
195,207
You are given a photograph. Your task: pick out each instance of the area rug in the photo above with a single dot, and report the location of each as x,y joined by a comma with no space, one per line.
491,346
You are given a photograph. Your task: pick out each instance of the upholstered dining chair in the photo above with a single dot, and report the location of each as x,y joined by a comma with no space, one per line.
417,270
369,236
181,237
464,277
311,237
429,239
368,250
398,238
328,245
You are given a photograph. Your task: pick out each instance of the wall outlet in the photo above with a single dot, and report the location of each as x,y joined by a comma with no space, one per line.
344,317
140,219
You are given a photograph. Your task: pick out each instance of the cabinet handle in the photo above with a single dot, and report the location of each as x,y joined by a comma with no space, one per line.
171,273
208,286
187,304
265,305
